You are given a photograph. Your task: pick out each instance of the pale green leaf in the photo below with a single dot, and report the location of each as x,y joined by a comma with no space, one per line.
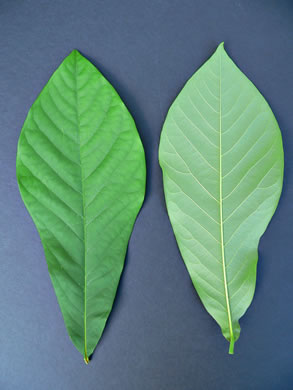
81,174
222,160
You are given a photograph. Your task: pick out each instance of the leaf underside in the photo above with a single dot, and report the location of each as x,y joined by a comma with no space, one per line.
222,160
81,174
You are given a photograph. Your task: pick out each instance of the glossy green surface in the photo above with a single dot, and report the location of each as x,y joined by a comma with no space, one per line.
81,174
222,159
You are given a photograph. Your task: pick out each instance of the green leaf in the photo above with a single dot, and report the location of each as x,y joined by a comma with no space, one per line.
81,174
222,160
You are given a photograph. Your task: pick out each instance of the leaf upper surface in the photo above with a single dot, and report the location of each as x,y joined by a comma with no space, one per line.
222,160
81,174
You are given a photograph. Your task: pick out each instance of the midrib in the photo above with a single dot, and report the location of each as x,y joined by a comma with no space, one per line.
231,347
86,359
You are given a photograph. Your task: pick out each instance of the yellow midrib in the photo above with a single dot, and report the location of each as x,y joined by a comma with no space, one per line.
231,348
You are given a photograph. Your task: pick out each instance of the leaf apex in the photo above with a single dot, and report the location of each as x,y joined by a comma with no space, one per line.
75,53
221,46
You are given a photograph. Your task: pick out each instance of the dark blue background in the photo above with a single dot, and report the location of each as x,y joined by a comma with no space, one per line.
159,337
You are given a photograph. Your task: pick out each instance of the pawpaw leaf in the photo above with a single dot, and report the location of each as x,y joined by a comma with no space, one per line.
222,160
81,174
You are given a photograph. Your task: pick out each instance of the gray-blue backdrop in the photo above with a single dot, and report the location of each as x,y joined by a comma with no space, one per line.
159,336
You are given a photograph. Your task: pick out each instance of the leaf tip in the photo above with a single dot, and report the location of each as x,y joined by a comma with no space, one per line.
75,53
221,46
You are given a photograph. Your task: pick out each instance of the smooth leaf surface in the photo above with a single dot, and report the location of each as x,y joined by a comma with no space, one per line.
222,159
81,174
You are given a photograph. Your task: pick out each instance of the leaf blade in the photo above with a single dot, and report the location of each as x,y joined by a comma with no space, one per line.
81,174
210,154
